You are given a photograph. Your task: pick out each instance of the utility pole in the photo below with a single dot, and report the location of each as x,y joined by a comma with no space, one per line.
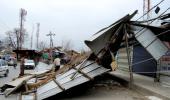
51,43
37,34
51,39
23,13
32,35
146,8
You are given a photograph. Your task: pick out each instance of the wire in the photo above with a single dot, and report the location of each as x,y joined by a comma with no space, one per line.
150,10
154,18
148,72
145,60
142,61
153,39
152,22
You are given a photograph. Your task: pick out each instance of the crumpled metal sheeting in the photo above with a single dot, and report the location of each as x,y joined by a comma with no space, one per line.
64,79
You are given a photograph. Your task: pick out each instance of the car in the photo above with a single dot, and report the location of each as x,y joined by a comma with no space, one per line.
12,62
6,57
4,70
29,64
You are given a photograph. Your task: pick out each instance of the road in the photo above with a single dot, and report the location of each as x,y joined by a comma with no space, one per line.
13,73
100,89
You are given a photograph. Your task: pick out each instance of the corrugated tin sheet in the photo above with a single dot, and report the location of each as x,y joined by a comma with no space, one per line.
122,59
150,42
64,81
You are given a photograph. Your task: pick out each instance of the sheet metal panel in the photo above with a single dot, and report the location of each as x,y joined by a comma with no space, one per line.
157,49
100,39
85,70
100,42
66,82
46,87
83,79
28,97
72,71
70,84
150,42
49,93
61,76
122,59
51,88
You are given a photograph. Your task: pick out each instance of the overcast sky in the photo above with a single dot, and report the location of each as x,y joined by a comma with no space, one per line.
74,20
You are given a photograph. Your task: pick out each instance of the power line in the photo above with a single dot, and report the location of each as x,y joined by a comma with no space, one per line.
150,10
155,18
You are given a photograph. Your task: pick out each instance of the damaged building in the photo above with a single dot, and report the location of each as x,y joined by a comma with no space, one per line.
126,45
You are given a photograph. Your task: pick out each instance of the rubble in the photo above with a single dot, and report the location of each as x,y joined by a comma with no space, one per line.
83,68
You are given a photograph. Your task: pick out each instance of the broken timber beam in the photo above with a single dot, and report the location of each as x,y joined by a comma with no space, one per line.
79,69
84,62
59,85
84,74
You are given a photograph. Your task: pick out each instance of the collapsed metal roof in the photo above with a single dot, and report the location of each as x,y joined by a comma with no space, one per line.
107,40
43,85
111,38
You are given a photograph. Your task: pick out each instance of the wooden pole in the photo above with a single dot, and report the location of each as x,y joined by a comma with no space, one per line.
129,61
157,79
22,67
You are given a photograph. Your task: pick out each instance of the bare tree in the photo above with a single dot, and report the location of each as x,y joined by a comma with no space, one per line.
10,40
42,45
67,45
14,39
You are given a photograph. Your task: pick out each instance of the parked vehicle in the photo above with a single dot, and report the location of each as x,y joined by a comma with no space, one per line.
4,68
6,57
12,62
29,64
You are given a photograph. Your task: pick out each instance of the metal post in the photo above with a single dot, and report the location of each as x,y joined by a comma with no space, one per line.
157,79
51,43
129,62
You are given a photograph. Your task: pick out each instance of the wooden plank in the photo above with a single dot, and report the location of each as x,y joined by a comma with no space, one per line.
26,87
129,60
80,68
59,85
84,74
84,62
